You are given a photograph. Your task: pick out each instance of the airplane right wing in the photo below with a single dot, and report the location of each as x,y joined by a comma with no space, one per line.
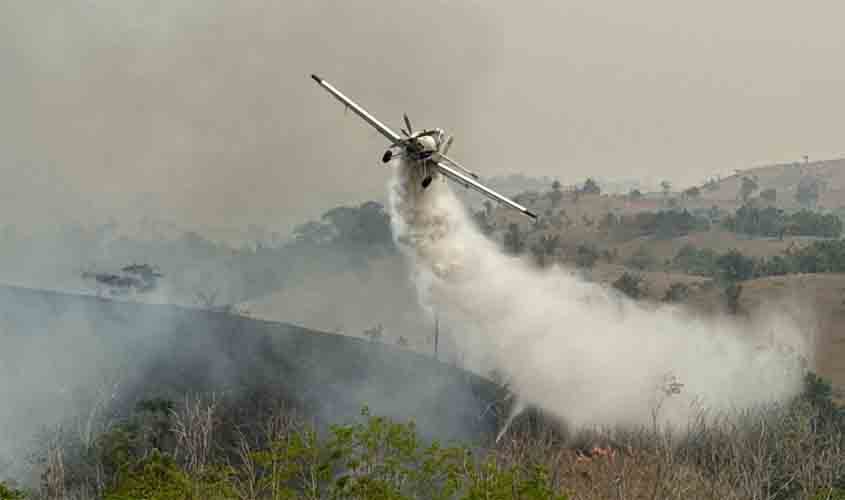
469,182
383,129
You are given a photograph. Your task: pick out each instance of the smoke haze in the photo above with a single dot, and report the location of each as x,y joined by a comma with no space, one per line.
202,113
577,349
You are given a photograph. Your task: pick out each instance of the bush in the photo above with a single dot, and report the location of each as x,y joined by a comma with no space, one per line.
631,285
694,261
677,292
734,266
586,255
9,493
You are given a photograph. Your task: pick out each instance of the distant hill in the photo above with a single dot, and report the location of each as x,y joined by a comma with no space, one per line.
785,178
66,358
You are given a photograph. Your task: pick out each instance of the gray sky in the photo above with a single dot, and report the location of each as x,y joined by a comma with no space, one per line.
202,113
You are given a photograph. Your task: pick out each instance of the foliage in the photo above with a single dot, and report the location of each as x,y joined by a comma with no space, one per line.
807,192
631,285
677,292
773,222
734,266
665,224
700,262
732,293
770,195
157,477
692,193
586,255
9,493
748,185
367,225
514,241
635,194
590,187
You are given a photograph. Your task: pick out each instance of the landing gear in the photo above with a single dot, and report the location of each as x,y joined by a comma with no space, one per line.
426,181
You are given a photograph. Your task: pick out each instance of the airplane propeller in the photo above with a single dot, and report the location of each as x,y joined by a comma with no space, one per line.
407,124
448,144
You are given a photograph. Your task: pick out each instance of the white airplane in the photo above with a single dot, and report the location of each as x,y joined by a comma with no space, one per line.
426,149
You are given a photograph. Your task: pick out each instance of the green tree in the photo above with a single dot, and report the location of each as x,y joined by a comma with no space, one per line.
591,187
635,194
9,493
733,266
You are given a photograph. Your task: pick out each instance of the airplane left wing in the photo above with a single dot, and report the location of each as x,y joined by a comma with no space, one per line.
383,129
469,182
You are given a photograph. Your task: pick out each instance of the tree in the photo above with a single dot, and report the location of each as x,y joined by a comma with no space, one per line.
734,266
591,187
546,246
586,255
769,195
376,333
666,188
556,195
807,193
732,294
692,193
747,187
677,292
631,285
635,195
514,242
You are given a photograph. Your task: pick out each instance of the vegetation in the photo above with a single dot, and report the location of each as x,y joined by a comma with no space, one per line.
632,285
817,257
665,224
586,255
677,292
773,222
791,450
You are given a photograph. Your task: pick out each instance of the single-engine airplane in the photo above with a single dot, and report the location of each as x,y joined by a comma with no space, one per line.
425,149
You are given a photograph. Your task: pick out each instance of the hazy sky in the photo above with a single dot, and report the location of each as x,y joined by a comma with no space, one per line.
202,112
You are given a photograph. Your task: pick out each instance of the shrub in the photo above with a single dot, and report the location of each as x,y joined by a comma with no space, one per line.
9,493
677,292
631,285
586,255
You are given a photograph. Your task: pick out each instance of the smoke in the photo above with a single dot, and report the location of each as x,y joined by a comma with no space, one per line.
576,349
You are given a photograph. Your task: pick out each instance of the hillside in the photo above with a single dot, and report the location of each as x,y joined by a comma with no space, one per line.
68,359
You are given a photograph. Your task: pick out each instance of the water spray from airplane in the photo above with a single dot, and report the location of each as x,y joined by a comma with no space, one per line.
579,350
573,348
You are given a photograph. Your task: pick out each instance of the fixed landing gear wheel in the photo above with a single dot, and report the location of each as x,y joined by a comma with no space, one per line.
426,182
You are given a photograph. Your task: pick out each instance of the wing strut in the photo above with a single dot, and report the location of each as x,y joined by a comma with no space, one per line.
469,182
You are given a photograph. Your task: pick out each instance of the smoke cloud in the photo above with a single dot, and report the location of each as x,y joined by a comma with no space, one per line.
577,349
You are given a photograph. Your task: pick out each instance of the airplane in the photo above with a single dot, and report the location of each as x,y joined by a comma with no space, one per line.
425,149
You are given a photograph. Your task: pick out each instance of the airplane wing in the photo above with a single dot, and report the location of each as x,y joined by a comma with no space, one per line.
391,136
469,182
459,166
